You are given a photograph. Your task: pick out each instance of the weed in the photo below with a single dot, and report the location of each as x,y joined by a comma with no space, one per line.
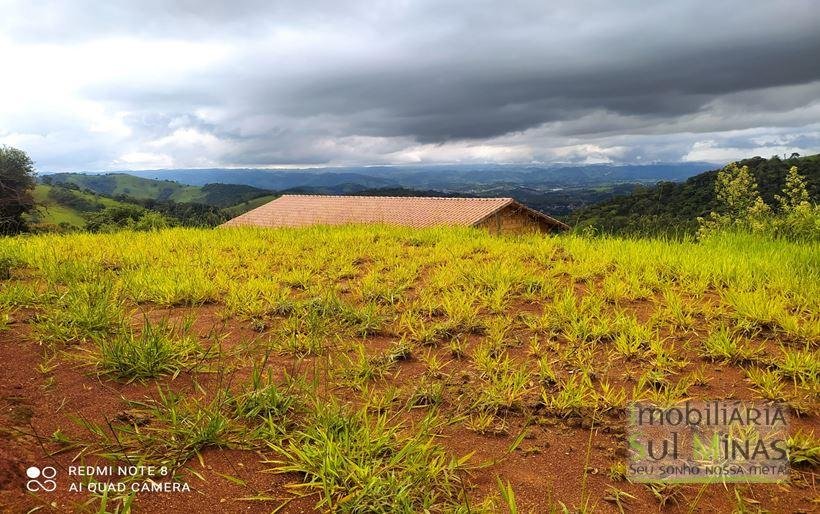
612,397
666,494
262,398
755,309
399,351
458,348
380,400
7,264
435,366
504,388
179,428
17,294
5,320
767,383
85,312
632,338
485,422
698,377
746,505
618,498
427,394
546,373
575,397
508,495
722,345
675,313
301,345
361,368
618,471
159,349
800,366
803,449
665,394
358,463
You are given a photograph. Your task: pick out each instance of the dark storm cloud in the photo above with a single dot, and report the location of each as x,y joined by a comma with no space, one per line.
317,82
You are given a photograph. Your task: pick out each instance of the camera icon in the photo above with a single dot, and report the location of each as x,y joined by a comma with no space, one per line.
41,479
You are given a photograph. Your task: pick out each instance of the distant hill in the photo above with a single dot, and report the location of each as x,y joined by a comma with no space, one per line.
559,203
123,185
276,180
472,178
673,207
556,190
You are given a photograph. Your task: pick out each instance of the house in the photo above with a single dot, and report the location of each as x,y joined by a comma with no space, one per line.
498,215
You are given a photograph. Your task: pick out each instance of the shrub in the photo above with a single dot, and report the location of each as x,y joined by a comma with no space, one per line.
151,221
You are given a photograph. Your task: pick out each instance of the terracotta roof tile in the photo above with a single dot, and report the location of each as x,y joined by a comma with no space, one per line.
301,210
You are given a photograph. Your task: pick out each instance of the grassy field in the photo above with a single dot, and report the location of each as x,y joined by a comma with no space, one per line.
361,369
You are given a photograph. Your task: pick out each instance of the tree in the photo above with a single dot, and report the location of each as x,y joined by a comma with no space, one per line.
113,218
799,218
795,193
16,187
736,191
742,208
740,204
150,221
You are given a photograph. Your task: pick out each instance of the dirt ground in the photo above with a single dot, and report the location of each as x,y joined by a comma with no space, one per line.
557,460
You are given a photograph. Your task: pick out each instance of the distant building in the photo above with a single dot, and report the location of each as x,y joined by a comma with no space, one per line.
498,215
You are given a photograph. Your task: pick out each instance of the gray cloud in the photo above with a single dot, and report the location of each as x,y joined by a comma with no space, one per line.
328,82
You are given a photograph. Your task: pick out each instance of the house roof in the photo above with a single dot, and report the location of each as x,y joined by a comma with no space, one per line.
413,211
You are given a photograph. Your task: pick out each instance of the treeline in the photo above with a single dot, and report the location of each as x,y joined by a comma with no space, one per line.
184,213
672,208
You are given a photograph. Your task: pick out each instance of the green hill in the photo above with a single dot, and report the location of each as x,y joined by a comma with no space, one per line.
64,205
121,185
62,209
672,207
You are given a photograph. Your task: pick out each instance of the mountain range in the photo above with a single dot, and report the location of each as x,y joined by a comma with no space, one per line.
658,198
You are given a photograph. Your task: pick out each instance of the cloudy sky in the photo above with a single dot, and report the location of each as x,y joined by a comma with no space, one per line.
90,85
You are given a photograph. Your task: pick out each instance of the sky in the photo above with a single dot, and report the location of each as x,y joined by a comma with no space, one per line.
119,85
